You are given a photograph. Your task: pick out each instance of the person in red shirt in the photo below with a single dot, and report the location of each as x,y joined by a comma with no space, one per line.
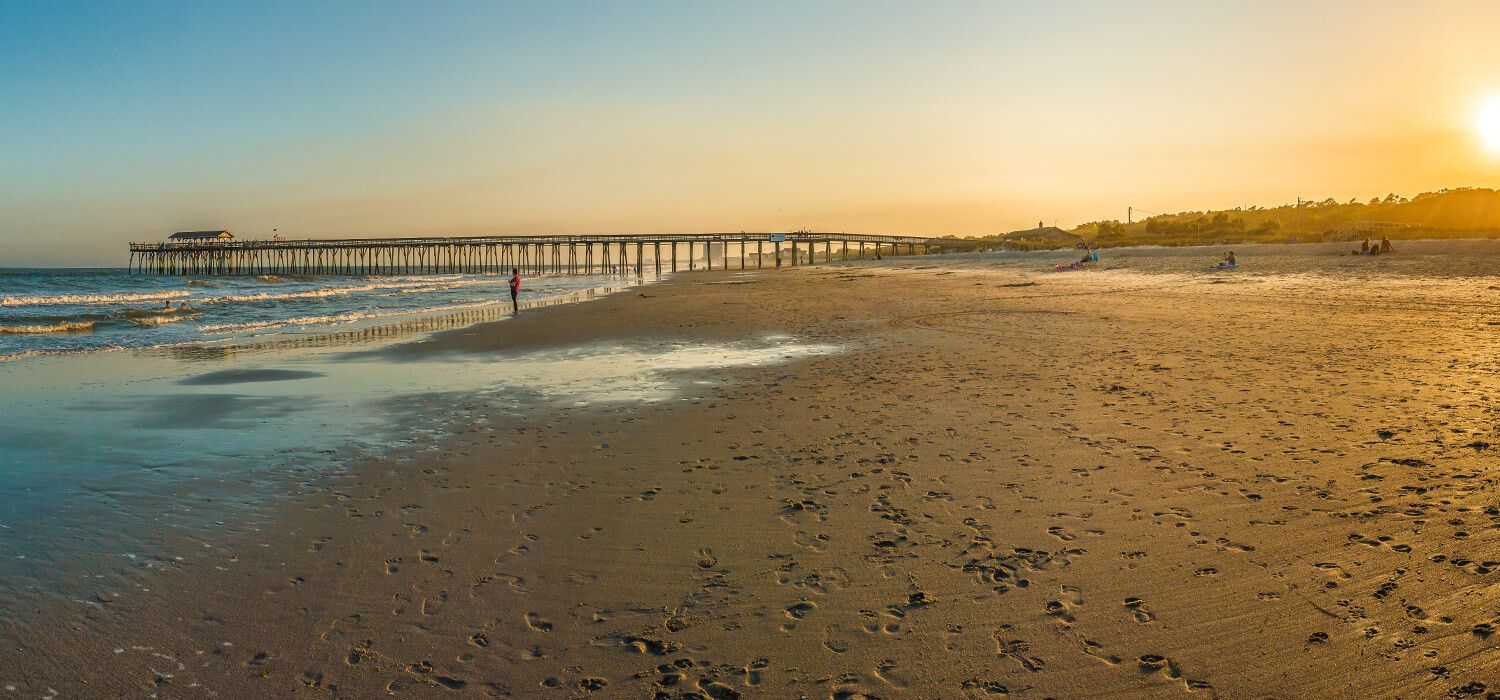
515,290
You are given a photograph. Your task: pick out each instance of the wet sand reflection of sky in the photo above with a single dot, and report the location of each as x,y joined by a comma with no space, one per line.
102,451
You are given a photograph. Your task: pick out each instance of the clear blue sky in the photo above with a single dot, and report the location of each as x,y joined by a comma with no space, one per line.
127,121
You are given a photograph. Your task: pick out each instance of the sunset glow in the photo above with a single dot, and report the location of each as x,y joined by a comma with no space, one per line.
948,118
1488,125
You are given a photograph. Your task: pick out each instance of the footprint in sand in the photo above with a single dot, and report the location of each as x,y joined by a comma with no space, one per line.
1236,546
1019,651
1138,608
806,540
835,640
717,690
981,687
457,536
1060,533
953,637
797,611
1060,610
1152,663
431,606
536,623
886,671
1096,650
755,671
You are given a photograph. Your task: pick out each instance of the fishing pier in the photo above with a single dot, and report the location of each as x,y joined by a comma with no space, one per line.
219,253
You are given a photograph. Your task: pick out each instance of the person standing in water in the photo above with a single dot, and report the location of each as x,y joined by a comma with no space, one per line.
515,291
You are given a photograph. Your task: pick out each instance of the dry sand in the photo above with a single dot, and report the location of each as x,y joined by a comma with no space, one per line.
1009,485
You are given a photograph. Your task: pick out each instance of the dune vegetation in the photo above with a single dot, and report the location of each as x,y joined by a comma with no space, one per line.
1466,212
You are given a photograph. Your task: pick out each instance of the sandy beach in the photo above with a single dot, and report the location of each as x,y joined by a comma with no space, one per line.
1004,483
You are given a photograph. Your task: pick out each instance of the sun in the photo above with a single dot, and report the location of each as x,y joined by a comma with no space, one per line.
1488,125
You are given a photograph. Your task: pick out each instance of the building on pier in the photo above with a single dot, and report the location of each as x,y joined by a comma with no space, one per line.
200,236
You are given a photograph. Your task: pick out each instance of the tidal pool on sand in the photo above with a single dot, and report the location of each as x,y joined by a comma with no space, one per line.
107,455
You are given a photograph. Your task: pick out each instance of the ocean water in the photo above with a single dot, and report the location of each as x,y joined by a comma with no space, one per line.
135,440
49,311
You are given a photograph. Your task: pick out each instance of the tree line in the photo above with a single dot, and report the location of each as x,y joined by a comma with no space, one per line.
1448,213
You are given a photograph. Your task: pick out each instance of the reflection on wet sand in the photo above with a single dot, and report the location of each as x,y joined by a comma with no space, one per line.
370,334
247,376
277,410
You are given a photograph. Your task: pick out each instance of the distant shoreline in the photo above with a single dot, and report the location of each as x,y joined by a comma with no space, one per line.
1417,236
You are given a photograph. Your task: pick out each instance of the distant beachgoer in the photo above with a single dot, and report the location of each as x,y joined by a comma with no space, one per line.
1364,248
168,307
1229,259
1096,255
1385,244
515,291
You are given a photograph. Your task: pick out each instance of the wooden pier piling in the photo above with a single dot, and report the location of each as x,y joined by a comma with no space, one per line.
533,255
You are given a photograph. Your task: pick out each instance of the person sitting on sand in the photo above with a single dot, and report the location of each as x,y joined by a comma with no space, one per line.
1364,248
1229,259
1385,244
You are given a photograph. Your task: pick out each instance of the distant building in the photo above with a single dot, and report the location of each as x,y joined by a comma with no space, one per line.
1043,237
201,236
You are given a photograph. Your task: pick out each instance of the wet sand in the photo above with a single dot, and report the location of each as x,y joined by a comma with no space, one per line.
1009,484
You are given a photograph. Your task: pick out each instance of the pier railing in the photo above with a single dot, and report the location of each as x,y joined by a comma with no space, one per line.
541,254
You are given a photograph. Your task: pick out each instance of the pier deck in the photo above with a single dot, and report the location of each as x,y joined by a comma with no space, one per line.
542,254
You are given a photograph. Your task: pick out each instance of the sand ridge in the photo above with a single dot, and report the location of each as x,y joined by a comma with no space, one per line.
1011,485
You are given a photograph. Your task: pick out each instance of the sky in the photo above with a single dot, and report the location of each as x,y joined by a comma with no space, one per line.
127,121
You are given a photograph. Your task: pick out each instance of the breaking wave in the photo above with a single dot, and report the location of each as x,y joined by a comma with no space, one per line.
45,328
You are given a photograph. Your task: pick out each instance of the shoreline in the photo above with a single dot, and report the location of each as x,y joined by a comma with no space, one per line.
1053,496
189,439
